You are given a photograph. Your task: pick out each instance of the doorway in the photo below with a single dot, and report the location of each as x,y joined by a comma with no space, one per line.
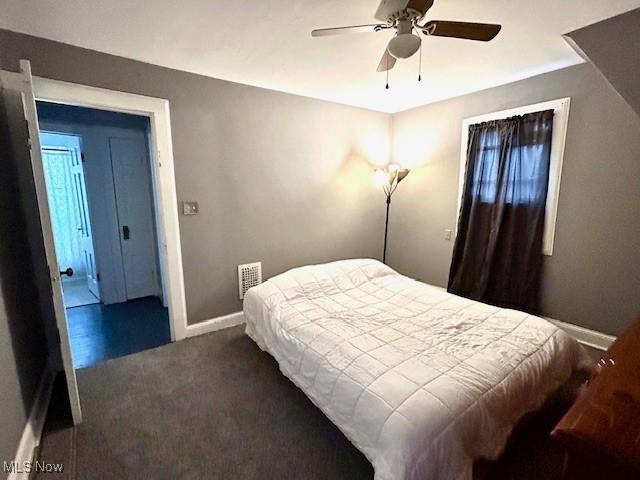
19,93
105,228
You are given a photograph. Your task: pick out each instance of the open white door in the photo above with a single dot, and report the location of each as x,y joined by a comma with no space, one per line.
84,224
60,152
22,83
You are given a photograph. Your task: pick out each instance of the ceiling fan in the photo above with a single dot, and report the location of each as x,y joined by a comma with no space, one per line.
405,16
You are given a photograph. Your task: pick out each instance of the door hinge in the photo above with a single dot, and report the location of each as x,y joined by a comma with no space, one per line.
26,124
97,276
53,275
82,157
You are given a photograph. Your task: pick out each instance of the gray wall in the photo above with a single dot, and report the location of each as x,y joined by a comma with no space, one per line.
593,277
23,345
276,180
613,46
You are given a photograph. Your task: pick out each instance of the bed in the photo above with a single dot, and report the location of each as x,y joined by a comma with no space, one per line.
421,381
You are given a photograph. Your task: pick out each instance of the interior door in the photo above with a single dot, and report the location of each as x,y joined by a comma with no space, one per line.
134,203
23,84
64,174
84,224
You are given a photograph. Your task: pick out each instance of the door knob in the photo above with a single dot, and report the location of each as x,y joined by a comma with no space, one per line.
68,272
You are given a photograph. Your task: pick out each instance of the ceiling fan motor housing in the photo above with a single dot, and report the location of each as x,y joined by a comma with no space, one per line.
405,43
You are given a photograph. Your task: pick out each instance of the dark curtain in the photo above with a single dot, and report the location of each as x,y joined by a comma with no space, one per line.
497,257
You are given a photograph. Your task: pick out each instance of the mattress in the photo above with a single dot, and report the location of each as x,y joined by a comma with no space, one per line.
421,381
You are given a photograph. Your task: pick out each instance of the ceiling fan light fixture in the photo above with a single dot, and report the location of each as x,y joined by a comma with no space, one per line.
404,45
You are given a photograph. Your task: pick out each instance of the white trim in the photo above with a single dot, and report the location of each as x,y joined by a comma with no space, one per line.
215,324
591,338
560,124
162,169
32,432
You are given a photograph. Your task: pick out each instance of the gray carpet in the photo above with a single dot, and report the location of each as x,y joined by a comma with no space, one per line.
217,407
214,406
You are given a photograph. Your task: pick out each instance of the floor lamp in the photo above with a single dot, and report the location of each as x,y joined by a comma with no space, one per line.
389,178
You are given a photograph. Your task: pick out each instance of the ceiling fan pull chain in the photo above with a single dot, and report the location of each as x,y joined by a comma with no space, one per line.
417,30
420,65
387,87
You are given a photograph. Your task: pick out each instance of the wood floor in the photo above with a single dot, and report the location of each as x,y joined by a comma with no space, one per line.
101,332
76,293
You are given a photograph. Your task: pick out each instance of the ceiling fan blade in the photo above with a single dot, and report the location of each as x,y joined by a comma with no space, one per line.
388,8
386,62
482,32
421,6
322,32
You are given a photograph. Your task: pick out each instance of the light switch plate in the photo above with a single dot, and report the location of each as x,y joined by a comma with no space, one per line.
448,234
190,208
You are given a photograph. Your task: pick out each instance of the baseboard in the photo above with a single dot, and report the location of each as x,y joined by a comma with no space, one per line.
35,423
591,338
214,324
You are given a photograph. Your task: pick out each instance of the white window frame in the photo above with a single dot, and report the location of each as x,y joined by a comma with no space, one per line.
560,108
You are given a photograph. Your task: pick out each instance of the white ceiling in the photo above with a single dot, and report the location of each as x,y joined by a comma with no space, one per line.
267,43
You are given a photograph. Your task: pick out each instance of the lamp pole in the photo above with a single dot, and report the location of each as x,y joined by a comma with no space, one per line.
388,179
386,229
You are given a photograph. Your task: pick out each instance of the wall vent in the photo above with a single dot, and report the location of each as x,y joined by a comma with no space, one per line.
249,275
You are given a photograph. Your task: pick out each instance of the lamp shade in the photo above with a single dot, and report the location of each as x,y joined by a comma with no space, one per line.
380,177
402,173
388,178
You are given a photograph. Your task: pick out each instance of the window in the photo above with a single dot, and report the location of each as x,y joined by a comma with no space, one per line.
487,188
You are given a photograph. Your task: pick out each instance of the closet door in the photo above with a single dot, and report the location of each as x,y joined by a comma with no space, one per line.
132,183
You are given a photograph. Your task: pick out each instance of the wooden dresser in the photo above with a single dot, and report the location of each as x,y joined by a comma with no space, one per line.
600,434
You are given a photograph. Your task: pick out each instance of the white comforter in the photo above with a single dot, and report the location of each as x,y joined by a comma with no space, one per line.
421,381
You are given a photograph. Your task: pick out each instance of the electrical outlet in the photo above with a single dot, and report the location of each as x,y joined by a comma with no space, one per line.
448,233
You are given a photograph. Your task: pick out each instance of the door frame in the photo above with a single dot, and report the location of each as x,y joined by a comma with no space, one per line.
162,172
